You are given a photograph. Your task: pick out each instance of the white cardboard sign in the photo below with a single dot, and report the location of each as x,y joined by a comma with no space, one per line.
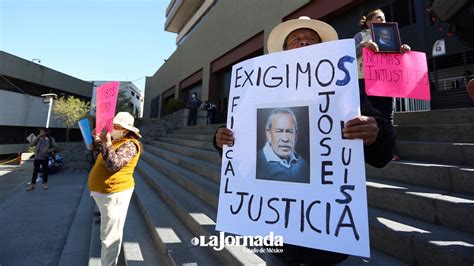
319,199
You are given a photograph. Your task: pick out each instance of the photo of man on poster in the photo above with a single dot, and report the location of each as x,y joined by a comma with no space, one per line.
277,159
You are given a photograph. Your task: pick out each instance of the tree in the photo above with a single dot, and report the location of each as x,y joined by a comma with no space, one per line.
70,110
124,103
174,105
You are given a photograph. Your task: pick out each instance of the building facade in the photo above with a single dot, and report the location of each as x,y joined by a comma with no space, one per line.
214,35
130,91
22,109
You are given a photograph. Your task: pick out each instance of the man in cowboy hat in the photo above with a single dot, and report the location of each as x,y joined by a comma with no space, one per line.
111,181
376,131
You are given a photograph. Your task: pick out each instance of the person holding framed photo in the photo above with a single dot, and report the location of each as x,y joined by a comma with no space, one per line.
374,27
387,39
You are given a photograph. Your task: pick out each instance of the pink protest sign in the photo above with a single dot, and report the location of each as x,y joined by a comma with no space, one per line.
106,99
396,75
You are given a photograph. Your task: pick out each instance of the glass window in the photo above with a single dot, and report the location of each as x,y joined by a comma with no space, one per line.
186,93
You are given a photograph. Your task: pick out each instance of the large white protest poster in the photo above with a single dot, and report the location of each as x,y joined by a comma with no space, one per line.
316,196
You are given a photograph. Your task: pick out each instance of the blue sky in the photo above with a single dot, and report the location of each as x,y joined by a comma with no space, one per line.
89,39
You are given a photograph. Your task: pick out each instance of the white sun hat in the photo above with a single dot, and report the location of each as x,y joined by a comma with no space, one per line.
126,120
278,35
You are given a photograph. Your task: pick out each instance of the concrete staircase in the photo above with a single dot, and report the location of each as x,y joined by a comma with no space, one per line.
182,171
421,209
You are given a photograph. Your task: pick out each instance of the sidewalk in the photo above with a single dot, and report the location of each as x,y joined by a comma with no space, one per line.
34,225
12,176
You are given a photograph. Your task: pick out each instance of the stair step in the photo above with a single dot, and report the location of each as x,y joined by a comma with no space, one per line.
171,236
437,152
189,143
76,249
191,136
199,167
203,188
197,128
447,177
376,258
440,132
418,242
137,245
447,116
201,130
198,217
209,156
434,206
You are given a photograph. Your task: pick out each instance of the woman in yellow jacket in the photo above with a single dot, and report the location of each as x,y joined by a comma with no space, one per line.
111,181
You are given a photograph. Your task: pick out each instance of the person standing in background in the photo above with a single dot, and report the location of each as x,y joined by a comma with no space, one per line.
362,39
194,103
45,144
211,112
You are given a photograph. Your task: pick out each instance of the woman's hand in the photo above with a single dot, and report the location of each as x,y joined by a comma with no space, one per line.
105,137
95,136
405,48
371,45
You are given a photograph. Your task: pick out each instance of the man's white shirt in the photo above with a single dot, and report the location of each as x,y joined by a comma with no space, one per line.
272,157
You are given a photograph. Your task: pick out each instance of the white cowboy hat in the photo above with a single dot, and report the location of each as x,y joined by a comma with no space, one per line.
277,37
125,120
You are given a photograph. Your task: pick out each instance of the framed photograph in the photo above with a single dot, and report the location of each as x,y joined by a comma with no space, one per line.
387,36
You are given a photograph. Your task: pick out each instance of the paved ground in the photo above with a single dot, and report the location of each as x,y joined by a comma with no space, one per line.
34,225
12,176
